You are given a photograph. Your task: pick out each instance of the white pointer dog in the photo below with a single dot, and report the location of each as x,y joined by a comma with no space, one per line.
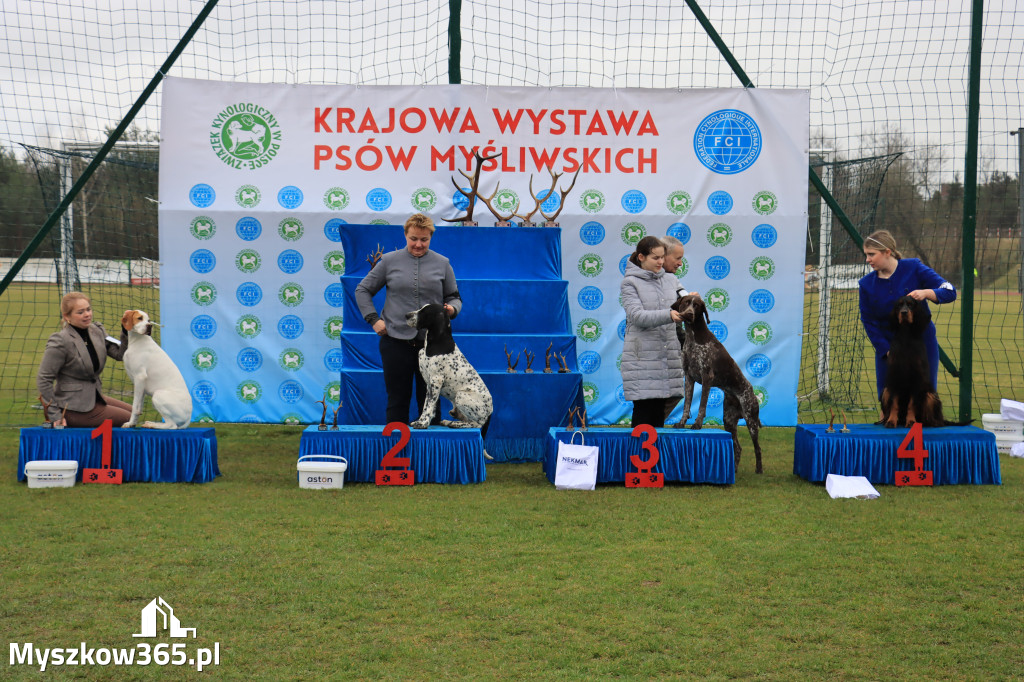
449,374
154,374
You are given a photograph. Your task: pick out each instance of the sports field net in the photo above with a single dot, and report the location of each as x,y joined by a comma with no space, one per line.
888,84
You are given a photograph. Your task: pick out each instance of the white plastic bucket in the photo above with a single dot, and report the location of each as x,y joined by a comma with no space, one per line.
55,473
320,475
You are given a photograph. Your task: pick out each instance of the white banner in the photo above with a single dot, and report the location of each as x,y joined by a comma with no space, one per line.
256,178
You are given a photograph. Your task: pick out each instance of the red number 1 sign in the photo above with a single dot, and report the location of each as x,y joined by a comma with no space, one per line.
645,478
916,477
404,476
105,474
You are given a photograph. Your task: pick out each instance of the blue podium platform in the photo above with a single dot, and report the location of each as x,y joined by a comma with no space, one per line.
437,454
686,455
149,455
956,454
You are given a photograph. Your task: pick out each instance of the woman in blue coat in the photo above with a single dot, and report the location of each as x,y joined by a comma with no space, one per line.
652,365
893,278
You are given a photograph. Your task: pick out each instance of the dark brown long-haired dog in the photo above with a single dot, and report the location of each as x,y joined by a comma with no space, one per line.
908,396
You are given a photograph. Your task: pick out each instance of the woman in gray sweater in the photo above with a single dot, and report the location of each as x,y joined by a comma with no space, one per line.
652,364
414,277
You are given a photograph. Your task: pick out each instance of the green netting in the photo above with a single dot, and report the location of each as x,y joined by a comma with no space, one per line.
889,92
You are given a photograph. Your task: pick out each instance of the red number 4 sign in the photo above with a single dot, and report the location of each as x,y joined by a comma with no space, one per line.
918,454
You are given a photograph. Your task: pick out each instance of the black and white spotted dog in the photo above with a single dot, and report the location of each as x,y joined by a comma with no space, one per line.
708,363
449,374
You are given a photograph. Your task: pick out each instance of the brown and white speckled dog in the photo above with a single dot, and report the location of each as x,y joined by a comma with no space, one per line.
708,363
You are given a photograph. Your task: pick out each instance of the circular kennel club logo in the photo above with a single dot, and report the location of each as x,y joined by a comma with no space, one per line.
291,294
290,391
765,203
632,233
378,199
592,201
248,229
202,227
762,268
717,299
590,393
248,196
589,329
291,359
334,262
761,393
423,199
290,229
204,359
249,392
248,261
291,419
336,198
332,327
759,333
590,265
204,293
506,201
717,267
204,392
245,136
719,235
727,141
248,326
679,202
289,261
249,293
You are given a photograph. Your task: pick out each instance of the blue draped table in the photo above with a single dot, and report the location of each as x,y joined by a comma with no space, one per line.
688,456
437,454
152,455
956,454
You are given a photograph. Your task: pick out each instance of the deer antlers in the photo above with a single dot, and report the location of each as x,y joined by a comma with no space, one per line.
474,186
550,219
504,220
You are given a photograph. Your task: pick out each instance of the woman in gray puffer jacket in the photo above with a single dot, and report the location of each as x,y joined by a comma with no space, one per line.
652,364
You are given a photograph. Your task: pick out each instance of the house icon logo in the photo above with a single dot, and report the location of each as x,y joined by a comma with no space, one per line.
158,611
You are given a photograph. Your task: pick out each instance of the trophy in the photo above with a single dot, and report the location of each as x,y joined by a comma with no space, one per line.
323,415
511,365
529,360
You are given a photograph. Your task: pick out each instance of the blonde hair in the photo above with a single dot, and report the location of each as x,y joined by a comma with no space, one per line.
885,241
420,221
67,304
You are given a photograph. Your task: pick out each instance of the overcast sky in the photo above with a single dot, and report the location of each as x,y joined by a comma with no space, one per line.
70,68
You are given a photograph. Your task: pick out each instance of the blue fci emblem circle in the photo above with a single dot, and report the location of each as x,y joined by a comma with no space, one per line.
589,361
289,197
289,261
378,199
249,293
727,141
764,236
332,229
203,326
202,261
592,233
680,231
290,326
202,195
634,201
717,267
590,298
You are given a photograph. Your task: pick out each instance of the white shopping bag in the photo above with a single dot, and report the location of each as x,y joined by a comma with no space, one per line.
576,468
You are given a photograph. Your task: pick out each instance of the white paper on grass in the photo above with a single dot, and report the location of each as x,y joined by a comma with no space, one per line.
1011,409
850,486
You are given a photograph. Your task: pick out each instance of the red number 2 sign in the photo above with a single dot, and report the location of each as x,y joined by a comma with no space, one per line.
645,478
405,476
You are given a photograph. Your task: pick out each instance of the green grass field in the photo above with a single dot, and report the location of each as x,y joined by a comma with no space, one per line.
511,579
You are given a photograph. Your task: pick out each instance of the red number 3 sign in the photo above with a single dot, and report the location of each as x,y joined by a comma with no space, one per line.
645,478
